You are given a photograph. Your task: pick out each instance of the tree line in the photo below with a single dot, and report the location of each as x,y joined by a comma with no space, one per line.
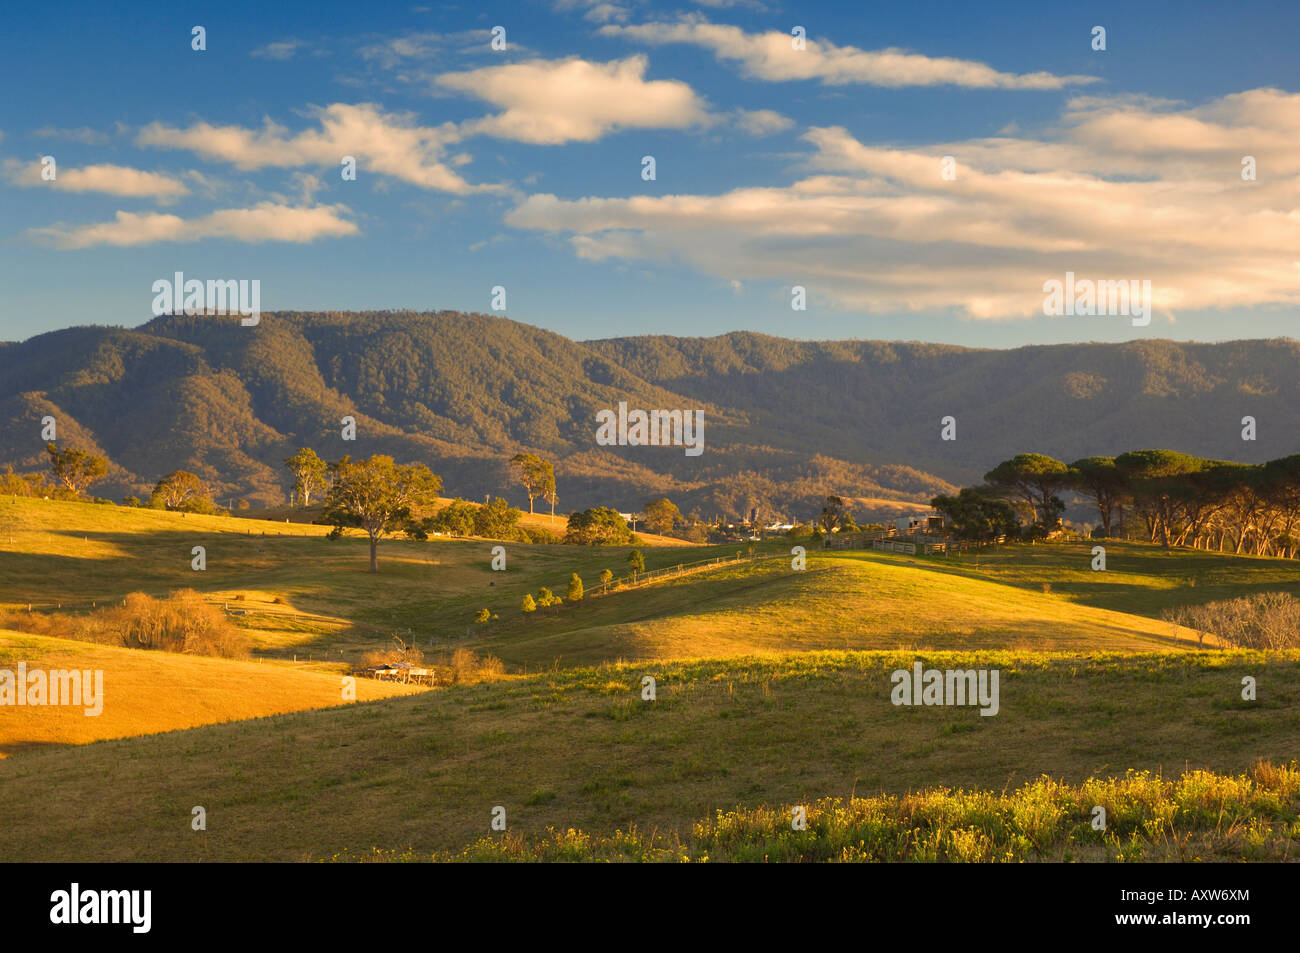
1161,496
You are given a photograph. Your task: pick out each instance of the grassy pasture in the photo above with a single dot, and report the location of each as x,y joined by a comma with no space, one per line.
844,600
578,748
329,605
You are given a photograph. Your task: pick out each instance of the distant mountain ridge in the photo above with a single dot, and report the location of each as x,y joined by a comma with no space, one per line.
786,421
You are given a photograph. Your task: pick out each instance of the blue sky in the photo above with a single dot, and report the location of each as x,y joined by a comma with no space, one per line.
775,167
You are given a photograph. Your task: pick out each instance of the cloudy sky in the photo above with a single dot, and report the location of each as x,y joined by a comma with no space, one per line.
775,167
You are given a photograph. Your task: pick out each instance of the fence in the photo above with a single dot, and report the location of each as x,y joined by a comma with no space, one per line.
637,580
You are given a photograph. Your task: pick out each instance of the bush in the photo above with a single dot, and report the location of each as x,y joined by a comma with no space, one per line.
528,604
1266,620
183,623
575,588
406,653
467,668
545,597
24,484
542,536
483,615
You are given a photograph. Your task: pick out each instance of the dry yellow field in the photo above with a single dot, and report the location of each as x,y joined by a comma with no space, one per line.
148,692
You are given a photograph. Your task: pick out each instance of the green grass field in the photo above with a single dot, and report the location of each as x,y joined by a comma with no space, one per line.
773,689
579,748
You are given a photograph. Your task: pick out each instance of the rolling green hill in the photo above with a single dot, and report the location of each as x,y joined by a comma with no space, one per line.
300,595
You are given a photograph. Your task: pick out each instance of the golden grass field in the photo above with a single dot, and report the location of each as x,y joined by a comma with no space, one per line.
148,692
773,686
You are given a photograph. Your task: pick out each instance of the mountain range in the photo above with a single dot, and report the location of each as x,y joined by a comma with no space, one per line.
786,422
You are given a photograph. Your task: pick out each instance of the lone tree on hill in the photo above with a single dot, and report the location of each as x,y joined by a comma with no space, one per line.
661,515
831,514
180,489
308,471
635,562
77,470
535,474
376,495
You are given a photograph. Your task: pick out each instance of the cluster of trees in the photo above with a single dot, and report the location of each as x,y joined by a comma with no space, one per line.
495,519
1159,495
73,472
598,526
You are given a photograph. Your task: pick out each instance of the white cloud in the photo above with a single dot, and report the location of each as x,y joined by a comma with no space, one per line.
265,222
391,144
109,179
761,122
391,51
84,135
771,56
1120,190
597,11
574,100
281,50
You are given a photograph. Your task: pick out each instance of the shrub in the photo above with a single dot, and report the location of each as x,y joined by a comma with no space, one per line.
528,604
542,536
1265,620
183,622
409,654
483,615
545,597
467,668
575,588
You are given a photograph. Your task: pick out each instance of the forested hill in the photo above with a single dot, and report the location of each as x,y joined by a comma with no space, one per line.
786,422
